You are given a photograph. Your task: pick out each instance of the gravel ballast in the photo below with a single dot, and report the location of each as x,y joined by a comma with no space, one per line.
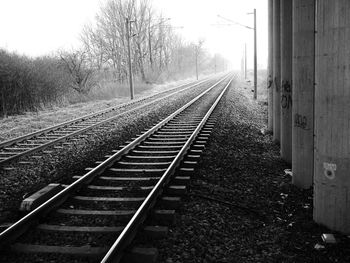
62,164
241,206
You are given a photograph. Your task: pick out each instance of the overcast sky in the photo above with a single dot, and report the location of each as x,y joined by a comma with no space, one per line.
39,27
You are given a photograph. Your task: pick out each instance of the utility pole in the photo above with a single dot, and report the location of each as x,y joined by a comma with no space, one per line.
255,60
245,60
129,58
197,50
149,39
242,65
255,57
196,60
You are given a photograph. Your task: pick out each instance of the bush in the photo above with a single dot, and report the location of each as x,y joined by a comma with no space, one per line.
29,84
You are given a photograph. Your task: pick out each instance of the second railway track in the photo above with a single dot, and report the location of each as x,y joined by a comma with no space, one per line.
97,216
25,145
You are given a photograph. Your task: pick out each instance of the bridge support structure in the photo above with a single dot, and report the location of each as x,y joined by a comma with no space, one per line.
270,68
332,119
286,80
303,92
276,71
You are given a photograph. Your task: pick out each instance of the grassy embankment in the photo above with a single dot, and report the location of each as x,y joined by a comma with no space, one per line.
36,93
17,125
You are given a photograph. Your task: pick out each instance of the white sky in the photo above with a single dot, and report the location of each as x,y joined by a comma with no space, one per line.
39,27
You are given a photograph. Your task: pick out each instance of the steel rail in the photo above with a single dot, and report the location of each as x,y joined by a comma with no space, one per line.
62,138
116,251
88,116
18,228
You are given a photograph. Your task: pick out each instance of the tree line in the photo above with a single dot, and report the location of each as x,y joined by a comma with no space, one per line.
157,50
158,53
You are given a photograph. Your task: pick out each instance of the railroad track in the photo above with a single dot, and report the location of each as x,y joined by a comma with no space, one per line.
98,215
13,149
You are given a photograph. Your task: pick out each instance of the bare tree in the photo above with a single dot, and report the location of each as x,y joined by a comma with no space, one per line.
80,75
94,43
155,48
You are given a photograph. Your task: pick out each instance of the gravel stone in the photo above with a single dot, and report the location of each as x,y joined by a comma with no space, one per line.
255,214
62,164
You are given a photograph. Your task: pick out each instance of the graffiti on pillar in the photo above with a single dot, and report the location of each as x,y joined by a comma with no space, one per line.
269,82
286,87
329,170
286,98
300,121
286,101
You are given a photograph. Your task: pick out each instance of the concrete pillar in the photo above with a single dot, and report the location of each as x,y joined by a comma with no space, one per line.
270,68
303,92
332,115
286,79
276,72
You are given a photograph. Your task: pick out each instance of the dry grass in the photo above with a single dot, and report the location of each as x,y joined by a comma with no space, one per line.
14,126
248,86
